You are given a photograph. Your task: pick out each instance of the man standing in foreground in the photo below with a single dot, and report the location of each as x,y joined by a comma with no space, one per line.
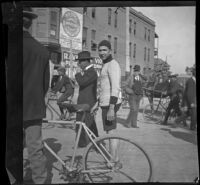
87,81
109,92
35,85
110,87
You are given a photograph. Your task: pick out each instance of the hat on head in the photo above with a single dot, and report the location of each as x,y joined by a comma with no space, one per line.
105,43
28,13
136,68
84,55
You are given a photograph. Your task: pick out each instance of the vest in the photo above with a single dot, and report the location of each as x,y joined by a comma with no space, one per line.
137,86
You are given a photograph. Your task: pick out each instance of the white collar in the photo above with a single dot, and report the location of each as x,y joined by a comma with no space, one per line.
88,67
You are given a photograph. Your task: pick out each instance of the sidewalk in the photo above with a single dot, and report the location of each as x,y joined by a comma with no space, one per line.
172,149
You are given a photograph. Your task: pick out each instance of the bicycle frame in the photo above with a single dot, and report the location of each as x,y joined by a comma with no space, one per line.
91,135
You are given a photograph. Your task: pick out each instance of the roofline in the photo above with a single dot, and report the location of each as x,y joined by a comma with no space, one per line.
142,16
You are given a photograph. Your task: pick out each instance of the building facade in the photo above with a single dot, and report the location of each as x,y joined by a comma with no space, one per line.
100,23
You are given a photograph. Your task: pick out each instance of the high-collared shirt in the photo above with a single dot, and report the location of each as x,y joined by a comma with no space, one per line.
110,82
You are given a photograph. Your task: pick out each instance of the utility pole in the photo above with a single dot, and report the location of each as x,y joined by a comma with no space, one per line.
127,42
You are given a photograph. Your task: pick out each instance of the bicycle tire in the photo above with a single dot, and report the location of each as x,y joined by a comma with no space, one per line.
157,115
134,160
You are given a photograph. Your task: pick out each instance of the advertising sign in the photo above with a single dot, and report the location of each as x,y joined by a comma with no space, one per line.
71,26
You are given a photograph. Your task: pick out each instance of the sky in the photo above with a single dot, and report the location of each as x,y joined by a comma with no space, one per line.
175,27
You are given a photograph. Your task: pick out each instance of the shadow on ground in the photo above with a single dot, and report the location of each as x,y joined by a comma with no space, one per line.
188,137
56,147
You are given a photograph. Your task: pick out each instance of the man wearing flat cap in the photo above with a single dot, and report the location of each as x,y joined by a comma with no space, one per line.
87,81
134,83
36,74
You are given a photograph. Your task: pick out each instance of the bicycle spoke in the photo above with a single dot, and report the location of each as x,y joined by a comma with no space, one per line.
129,164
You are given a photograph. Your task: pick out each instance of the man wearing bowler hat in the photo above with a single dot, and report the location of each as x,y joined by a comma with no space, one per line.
87,81
134,82
36,74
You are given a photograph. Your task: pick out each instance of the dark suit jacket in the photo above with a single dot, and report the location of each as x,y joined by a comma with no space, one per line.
87,87
35,78
87,95
189,95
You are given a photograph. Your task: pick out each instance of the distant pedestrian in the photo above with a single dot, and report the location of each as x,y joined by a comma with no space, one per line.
134,85
36,73
66,88
173,90
87,81
189,99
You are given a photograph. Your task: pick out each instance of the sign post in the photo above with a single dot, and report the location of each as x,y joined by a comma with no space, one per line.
71,27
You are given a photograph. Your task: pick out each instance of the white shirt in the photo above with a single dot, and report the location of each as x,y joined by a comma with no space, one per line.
110,83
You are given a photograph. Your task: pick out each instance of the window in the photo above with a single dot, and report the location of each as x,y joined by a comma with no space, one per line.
53,17
109,38
93,12
109,15
130,26
115,45
53,24
85,36
148,35
134,51
148,55
130,48
134,28
145,33
93,37
93,34
145,49
85,10
116,19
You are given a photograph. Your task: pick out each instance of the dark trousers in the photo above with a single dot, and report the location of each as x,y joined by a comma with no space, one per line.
173,105
36,157
84,139
64,97
134,102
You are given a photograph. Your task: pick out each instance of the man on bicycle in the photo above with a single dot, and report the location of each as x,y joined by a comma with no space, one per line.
66,87
174,90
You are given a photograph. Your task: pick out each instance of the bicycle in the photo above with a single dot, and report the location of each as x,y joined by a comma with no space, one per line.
157,109
50,110
100,162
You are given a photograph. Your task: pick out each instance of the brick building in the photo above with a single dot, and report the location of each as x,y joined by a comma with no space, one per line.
101,23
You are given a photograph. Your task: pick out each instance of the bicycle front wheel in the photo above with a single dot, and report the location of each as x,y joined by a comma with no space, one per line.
132,162
153,113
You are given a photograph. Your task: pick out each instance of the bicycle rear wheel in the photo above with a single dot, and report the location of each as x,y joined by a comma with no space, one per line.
155,114
133,164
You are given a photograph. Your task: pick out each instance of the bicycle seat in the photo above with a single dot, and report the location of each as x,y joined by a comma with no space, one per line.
76,107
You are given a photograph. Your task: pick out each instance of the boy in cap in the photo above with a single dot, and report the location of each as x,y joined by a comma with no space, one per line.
65,86
87,81
109,91
135,83
35,86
